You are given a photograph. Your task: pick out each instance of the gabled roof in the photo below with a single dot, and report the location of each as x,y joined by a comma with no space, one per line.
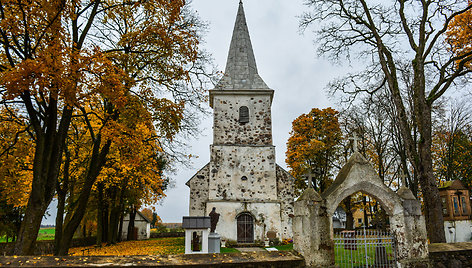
194,175
241,69
452,185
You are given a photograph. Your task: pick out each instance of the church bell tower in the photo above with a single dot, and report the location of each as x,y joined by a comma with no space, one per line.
242,181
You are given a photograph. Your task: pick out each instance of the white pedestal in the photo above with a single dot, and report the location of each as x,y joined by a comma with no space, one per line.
214,241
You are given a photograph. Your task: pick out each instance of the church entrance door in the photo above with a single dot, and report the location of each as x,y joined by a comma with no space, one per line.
245,225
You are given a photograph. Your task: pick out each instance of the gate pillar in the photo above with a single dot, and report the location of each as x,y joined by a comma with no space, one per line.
410,232
312,230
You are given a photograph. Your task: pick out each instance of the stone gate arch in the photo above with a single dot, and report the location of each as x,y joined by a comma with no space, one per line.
312,224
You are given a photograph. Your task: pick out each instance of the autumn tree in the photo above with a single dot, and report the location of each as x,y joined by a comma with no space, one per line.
459,35
411,38
452,144
155,46
15,171
42,73
313,146
54,62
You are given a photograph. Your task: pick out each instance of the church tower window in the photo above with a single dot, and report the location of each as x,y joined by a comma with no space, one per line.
243,115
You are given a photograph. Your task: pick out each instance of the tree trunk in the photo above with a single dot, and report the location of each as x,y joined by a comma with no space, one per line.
96,163
120,229
61,201
349,215
59,221
432,201
100,215
132,216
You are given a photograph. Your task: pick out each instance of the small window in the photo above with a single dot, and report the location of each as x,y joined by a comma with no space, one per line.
464,206
455,202
244,178
444,206
243,115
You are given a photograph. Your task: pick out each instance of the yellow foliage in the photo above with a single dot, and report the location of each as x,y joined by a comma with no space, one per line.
160,246
16,159
459,36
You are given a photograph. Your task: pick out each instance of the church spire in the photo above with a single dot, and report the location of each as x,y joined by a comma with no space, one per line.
241,69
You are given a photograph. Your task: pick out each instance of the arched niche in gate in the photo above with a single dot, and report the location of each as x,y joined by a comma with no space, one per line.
313,215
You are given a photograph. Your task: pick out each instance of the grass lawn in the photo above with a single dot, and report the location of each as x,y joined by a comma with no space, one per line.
228,250
343,257
285,247
44,234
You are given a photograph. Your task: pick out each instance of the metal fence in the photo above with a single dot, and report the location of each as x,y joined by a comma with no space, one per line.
365,248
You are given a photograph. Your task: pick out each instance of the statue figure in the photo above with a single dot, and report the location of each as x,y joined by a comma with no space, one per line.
214,217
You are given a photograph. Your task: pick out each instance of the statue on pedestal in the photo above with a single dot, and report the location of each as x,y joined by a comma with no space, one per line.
214,217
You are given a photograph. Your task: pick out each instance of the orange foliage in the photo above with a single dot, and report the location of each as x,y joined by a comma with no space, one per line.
313,144
16,159
161,246
459,36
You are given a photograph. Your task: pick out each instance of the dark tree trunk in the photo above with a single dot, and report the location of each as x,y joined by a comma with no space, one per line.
105,223
100,215
61,201
46,165
132,216
120,229
349,215
96,163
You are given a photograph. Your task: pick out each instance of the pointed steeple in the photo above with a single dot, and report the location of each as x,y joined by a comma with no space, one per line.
241,69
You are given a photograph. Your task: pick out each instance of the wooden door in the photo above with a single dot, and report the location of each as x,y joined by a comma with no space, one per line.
245,227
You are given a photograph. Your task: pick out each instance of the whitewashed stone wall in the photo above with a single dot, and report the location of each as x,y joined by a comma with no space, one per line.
226,126
458,231
285,183
266,218
198,185
228,165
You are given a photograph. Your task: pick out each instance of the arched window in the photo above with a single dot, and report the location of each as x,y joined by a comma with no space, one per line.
245,228
243,115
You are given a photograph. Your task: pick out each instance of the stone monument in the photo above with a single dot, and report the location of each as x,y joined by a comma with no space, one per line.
214,239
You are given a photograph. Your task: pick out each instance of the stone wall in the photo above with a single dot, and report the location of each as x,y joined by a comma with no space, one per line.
285,190
199,191
456,255
242,173
226,126
46,247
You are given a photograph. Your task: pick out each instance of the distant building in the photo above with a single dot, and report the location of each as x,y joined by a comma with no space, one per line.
172,225
339,218
142,227
455,199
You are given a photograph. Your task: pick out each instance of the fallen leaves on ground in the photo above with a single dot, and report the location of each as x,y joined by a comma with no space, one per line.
158,246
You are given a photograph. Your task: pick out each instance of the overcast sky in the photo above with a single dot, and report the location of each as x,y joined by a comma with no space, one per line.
286,61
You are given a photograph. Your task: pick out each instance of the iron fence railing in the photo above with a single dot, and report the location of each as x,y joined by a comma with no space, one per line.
365,248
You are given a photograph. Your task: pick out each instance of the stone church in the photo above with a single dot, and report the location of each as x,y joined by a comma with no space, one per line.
252,193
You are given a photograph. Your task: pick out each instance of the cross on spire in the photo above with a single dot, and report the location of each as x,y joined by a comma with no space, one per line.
355,139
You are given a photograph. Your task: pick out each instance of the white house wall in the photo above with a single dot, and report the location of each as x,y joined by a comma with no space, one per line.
458,231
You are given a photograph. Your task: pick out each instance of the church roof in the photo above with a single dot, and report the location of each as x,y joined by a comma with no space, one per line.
241,69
